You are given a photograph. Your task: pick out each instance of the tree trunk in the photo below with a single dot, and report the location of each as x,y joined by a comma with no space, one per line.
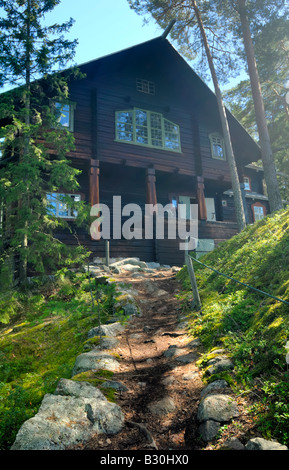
27,105
265,144
240,213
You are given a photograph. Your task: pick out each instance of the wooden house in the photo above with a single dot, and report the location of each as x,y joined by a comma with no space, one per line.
147,129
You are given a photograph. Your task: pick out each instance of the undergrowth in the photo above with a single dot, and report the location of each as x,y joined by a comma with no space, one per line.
252,327
44,328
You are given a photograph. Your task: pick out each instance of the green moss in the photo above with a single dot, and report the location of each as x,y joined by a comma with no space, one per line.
41,347
94,377
252,327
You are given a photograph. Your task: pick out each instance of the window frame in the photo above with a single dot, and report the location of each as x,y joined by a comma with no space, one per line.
134,126
216,135
63,193
247,183
72,105
145,86
260,205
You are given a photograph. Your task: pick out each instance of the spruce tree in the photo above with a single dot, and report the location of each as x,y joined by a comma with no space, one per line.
34,144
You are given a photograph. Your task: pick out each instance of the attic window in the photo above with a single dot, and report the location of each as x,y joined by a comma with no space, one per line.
145,86
141,127
217,146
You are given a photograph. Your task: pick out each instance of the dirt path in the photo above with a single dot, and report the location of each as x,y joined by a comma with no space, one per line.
151,376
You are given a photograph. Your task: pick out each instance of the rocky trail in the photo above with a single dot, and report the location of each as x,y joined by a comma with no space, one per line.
157,369
159,401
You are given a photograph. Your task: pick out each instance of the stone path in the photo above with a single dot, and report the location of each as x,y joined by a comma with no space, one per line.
149,364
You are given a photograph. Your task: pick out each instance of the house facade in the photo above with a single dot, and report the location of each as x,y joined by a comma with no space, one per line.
147,129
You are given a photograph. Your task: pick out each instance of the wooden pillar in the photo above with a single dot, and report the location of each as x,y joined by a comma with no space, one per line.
151,186
94,182
201,198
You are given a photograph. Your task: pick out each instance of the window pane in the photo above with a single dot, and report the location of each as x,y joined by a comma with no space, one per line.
141,126
58,208
64,110
75,198
141,135
217,147
218,150
51,204
140,117
247,183
172,140
124,126
62,209
258,213
156,130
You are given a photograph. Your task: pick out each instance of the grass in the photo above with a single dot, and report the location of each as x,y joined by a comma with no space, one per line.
252,327
40,339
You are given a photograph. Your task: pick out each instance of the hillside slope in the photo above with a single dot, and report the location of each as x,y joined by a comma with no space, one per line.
253,327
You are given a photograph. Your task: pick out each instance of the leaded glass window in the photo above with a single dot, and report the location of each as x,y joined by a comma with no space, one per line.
143,127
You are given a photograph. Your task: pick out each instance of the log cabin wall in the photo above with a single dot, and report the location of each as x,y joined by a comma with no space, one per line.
182,98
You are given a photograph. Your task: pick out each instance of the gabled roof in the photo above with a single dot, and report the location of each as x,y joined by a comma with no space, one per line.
160,51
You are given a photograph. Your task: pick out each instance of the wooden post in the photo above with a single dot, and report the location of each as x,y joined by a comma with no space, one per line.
94,186
201,198
152,199
94,182
107,253
151,186
196,300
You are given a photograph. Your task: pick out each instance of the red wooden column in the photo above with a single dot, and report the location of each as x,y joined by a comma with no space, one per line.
151,186
94,182
201,198
94,189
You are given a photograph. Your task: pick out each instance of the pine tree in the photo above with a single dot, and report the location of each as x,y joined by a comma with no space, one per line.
190,23
231,27
264,137
34,151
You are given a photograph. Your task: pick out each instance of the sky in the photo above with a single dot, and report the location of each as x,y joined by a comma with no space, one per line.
106,26
102,26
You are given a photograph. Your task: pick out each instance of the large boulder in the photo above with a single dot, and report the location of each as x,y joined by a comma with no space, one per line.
95,360
71,416
258,443
112,329
219,364
221,408
128,264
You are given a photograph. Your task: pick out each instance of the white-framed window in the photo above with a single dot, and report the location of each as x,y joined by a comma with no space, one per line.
247,183
145,86
58,205
65,112
217,146
142,127
259,211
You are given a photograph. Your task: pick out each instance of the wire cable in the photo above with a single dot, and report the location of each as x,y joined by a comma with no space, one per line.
239,282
